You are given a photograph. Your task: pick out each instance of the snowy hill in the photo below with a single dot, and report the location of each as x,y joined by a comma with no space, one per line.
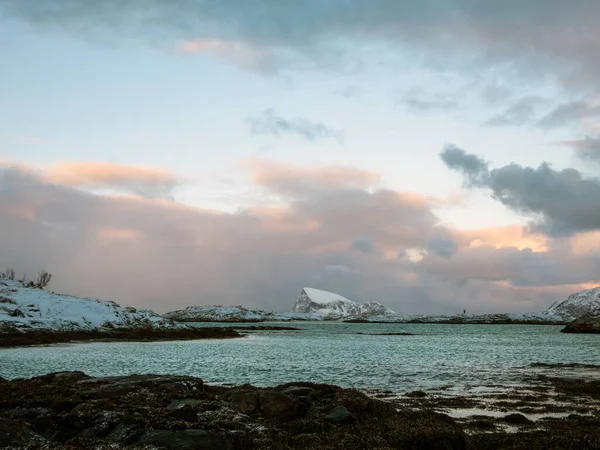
501,318
233,314
577,305
332,306
25,308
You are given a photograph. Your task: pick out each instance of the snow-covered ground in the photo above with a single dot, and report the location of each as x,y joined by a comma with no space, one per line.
25,308
577,305
332,306
469,318
234,314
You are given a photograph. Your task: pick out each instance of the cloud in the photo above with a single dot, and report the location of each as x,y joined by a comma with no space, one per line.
442,245
568,113
543,34
419,102
521,112
473,168
139,180
587,148
559,203
270,123
241,54
332,229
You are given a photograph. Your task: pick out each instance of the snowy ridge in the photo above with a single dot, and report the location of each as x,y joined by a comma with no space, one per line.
536,318
233,314
27,308
332,306
577,305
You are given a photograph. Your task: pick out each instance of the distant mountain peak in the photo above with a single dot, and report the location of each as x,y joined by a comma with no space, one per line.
334,306
577,305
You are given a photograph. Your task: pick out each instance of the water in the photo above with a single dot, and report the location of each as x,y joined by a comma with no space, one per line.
437,356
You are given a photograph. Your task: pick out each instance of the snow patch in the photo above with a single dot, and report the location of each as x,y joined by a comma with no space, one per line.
25,308
332,306
577,305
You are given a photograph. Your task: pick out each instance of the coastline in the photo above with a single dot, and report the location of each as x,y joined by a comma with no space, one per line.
73,410
48,337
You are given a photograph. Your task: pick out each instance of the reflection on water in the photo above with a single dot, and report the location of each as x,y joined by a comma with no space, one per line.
437,355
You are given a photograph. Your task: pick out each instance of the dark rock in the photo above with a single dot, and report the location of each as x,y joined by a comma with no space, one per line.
245,402
184,440
340,414
516,419
298,391
15,435
123,433
186,413
176,404
278,405
417,394
112,390
590,323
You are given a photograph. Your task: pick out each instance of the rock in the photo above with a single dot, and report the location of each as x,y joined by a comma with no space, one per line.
278,405
516,419
184,440
176,404
186,413
74,375
17,436
417,394
340,414
589,323
122,433
112,390
244,402
298,391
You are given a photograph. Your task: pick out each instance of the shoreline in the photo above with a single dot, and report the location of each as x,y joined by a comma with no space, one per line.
46,337
74,410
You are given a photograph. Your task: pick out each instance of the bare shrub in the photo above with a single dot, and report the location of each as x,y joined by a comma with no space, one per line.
43,279
9,274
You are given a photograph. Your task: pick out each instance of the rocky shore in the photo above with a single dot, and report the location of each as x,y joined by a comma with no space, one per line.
590,323
16,338
71,410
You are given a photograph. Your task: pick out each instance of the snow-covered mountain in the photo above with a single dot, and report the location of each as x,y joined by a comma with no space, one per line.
577,305
332,306
25,308
233,314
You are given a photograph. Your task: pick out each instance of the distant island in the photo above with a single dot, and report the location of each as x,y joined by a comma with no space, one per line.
31,315
315,304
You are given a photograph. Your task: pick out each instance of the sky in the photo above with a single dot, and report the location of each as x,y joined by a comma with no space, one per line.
433,156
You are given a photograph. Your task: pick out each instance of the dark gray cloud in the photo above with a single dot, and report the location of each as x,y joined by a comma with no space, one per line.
270,123
568,113
587,148
364,245
473,168
558,202
542,32
442,245
164,255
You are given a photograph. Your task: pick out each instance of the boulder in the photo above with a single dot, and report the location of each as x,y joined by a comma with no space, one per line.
278,405
298,391
589,323
184,440
186,413
245,402
340,414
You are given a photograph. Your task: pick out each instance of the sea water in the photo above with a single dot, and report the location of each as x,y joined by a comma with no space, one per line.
437,355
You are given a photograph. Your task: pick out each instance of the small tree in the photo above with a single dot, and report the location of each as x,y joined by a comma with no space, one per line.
10,274
43,279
